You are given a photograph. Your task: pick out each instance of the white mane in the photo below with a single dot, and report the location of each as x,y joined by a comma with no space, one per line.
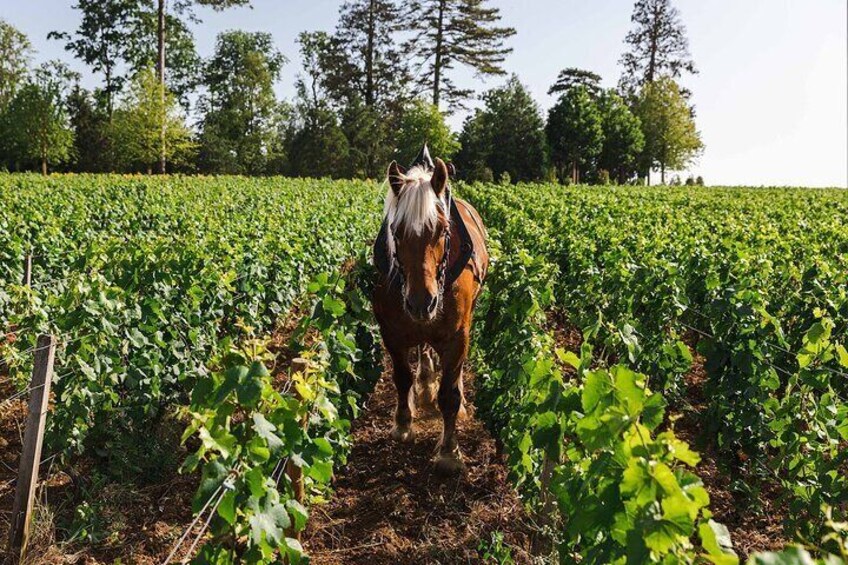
416,206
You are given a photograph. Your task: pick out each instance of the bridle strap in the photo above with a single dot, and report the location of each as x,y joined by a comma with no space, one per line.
442,271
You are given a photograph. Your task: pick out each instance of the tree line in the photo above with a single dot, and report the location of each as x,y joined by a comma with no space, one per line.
370,90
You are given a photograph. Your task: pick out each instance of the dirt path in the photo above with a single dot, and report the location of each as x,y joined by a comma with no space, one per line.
390,507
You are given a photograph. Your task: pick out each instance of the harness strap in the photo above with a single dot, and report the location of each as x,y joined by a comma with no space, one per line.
447,273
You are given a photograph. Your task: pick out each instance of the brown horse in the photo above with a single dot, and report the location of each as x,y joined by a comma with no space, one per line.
432,258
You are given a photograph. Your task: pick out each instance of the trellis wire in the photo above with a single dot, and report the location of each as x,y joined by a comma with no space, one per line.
191,526
205,525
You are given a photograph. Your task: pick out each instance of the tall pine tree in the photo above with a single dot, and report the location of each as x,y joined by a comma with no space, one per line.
573,77
364,62
450,32
658,46
364,73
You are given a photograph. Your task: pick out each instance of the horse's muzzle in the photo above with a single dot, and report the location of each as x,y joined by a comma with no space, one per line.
422,307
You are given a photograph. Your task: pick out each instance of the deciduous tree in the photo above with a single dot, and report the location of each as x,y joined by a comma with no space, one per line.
15,54
671,138
138,123
423,122
104,41
575,133
36,121
506,136
175,50
242,119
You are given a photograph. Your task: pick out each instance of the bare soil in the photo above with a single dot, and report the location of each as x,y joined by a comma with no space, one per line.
389,506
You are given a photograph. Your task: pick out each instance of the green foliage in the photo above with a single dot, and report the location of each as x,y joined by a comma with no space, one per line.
507,135
182,63
361,74
365,62
36,122
495,550
118,38
92,153
157,289
369,133
144,279
573,78
15,53
623,490
316,145
623,138
658,46
831,550
575,131
249,431
648,273
422,122
241,126
140,123
671,138
104,40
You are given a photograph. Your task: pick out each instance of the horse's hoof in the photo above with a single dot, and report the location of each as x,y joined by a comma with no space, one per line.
403,434
449,464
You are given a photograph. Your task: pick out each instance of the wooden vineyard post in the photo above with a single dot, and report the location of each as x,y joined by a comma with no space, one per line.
294,472
39,401
27,280
541,541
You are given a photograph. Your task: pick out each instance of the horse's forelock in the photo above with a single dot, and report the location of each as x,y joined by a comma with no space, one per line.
416,207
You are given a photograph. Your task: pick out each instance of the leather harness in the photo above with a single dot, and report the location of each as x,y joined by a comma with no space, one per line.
448,271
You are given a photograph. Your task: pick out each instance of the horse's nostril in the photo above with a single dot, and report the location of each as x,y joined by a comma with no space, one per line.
421,305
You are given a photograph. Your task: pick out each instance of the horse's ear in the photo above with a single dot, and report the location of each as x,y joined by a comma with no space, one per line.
395,175
440,177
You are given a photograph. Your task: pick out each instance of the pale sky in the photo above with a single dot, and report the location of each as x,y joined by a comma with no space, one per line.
771,96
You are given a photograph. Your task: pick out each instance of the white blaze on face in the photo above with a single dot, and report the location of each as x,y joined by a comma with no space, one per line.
416,206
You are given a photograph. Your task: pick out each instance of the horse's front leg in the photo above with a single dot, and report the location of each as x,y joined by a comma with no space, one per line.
402,376
449,458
